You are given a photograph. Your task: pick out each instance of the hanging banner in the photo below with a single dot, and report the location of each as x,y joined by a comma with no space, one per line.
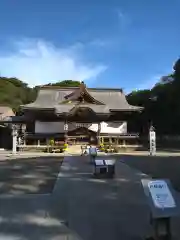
65,127
152,141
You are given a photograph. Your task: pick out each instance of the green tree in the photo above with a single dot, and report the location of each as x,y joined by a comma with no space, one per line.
14,92
65,83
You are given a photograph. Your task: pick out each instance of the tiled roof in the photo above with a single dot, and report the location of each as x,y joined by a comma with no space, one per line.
108,99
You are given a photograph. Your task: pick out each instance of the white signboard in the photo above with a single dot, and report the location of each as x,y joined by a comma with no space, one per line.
161,194
152,140
99,162
110,161
65,127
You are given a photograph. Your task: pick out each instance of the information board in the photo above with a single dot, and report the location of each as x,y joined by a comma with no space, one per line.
99,162
109,161
161,194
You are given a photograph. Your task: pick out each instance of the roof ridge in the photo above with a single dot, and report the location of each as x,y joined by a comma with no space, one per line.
88,88
56,88
107,89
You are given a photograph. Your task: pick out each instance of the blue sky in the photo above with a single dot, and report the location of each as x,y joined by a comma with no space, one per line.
109,43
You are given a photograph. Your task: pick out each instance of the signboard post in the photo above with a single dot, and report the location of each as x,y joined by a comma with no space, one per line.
152,141
161,199
104,167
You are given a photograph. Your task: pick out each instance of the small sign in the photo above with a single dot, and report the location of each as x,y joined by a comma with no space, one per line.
161,195
109,162
99,162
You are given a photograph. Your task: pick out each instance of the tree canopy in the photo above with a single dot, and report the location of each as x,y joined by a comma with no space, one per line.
161,103
65,83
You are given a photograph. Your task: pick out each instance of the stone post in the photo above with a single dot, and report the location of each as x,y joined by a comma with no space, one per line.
14,138
152,141
23,129
65,135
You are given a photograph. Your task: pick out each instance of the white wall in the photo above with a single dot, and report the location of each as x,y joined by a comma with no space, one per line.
58,127
49,127
111,127
52,127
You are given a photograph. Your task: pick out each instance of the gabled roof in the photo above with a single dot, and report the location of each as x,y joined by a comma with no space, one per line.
101,100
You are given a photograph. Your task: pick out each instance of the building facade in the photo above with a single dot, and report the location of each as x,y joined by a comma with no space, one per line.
76,114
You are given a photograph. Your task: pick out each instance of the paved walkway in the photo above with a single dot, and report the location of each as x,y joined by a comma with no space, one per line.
101,209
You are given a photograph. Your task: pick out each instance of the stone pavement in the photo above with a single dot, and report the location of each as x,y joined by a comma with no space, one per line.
26,217
93,208
101,209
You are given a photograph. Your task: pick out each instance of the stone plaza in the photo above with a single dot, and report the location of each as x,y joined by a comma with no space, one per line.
48,197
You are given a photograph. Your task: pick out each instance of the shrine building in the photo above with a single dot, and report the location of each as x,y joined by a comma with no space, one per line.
78,114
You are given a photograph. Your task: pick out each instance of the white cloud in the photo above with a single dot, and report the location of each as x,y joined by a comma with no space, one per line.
39,62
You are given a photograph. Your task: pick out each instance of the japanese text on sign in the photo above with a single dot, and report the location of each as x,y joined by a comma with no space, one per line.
152,136
161,194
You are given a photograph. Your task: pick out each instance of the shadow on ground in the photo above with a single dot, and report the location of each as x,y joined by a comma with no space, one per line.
101,208
28,219
25,216
29,175
110,208
156,167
